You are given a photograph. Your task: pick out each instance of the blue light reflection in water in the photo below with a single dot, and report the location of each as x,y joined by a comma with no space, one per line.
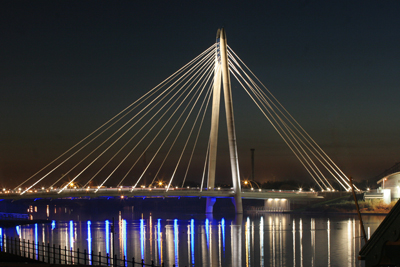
17,229
223,233
53,224
207,234
192,240
71,234
36,240
176,241
159,240
124,238
107,237
142,238
89,240
1,238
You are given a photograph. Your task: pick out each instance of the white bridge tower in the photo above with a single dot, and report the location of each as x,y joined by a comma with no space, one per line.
222,70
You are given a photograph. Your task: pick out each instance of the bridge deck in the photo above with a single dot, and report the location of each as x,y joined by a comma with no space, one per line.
155,192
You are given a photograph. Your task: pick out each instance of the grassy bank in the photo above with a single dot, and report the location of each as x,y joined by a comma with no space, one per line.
343,205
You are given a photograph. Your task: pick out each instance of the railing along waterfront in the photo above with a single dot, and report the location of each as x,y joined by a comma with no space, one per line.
56,255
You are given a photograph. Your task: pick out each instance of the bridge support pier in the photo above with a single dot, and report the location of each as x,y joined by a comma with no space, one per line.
210,204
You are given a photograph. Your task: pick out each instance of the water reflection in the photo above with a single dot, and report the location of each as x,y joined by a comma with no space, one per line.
269,240
89,240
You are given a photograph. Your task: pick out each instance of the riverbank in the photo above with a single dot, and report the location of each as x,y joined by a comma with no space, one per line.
345,206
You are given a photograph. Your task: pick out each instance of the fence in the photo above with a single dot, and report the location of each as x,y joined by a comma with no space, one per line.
57,255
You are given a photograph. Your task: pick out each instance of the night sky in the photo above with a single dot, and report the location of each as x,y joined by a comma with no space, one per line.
68,66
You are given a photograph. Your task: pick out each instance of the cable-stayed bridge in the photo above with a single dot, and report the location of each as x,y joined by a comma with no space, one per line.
168,138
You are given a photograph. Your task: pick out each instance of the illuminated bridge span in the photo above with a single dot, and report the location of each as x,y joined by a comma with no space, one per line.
160,192
171,133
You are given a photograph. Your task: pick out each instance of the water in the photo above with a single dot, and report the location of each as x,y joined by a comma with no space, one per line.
195,240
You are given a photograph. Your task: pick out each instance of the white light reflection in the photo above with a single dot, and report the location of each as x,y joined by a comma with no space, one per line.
262,241
301,241
312,228
151,234
349,241
294,241
354,242
43,235
329,242
176,242
89,240
369,232
247,240
271,250
273,244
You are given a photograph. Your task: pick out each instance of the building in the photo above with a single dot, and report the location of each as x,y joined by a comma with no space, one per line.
392,183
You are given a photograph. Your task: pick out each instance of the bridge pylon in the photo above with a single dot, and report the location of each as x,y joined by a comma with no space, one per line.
222,72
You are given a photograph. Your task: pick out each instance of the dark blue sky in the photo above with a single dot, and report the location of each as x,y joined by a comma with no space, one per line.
68,66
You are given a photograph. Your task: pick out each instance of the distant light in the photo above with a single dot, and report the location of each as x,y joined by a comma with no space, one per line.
300,189
122,196
252,188
368,188
259,189
219,188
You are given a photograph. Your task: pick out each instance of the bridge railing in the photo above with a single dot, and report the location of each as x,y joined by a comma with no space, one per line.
43,252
